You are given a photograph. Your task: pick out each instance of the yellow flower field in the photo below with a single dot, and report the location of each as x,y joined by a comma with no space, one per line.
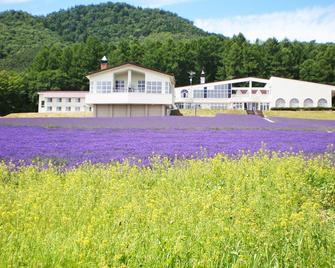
255,211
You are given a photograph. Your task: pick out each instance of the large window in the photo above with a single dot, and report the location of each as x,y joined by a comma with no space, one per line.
154,87
308,103
49,108
294,103
49,99
219,106
280,103
68,109
42,104
141,85
322,103
219,92
58,108
104,87
59,99
119,86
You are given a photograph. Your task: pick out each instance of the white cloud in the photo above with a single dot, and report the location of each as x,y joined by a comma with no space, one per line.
160,3
312,23
13,1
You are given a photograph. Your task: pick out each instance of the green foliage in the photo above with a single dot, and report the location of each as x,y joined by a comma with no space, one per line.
13,93
256,211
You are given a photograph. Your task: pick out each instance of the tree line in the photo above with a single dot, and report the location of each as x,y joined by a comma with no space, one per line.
63,66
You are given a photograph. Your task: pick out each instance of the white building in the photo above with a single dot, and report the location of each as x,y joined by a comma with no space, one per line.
130,90
62,101
254,94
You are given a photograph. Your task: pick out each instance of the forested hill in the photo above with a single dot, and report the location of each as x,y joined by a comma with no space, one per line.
22,34
112,21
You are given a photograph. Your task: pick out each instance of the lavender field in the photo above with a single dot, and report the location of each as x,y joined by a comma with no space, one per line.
72,141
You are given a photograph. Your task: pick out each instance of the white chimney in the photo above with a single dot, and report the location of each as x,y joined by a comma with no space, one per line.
202,77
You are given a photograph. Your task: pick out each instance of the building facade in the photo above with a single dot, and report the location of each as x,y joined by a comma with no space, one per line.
62,102
254,94
130,90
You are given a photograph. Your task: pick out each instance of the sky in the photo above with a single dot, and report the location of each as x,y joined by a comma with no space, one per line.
303,20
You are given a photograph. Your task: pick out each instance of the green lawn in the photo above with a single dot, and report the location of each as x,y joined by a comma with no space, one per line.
257,211
43,115
208,112
320,115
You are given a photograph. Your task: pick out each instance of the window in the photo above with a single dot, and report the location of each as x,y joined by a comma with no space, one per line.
220,92
42,103
184,94
59,109
219,106
68,109
49,108
68,99
49,99
264,106
119,86
238,106
141,85
59,99
198,93
154,87
322,103
168,88
77,109
280,103
294,103
308,103
91,86
78,100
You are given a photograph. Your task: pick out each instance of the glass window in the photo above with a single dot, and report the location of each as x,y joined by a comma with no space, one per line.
119,86
49,108
154,87
68,99
91,86
184,94
59,99
68,109
78,100
59,109
168,88
141,86
264,106
42,103
49,99
77,109
238,106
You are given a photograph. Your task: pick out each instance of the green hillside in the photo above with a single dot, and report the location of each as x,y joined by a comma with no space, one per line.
112,21
21,36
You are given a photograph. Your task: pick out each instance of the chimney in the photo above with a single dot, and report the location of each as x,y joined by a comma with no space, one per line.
104,63
202,77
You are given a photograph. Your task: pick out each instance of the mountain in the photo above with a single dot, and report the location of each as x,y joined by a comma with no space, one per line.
112,21
22,35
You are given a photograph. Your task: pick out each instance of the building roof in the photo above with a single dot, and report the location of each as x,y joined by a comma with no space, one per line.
300,81
64,94
131,64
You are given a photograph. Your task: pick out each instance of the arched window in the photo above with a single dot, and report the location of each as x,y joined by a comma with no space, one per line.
184,94
322,103
308,103
294,103
280,103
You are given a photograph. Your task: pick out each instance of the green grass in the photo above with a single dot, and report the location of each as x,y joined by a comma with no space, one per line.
43,115
208,112
319,115
256,211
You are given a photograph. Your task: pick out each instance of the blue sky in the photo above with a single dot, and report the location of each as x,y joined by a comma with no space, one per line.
296,19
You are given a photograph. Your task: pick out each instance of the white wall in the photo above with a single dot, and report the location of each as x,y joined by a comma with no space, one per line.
288,89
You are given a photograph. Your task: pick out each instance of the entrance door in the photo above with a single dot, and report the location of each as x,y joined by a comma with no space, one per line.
252,106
